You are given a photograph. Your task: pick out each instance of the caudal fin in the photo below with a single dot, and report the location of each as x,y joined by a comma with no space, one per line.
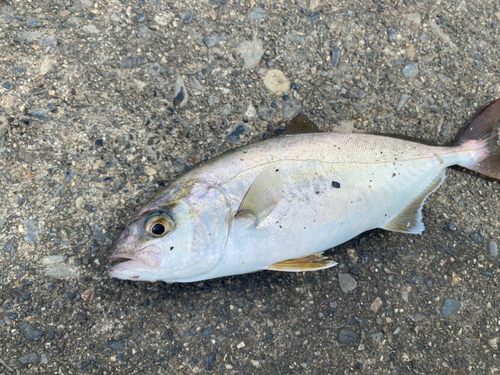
485,127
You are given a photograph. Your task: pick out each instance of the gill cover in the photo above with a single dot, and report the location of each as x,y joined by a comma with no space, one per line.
196,245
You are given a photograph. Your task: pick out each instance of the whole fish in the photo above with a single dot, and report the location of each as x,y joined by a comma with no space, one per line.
280,203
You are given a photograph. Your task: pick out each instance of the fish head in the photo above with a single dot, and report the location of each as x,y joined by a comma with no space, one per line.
175,240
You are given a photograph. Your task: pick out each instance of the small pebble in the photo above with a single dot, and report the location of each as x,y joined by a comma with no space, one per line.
115,345
347,282
276,81
257,14
391,34
237,132
410,70
493,247
291,108
335,57
7,85
18,69
32,22
450,307
30,332
208,363
402,101
38,114
312,17
376,305
30,358
211,40
347,336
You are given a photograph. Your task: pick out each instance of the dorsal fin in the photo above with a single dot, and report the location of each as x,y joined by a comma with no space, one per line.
410,219
301,124
263,195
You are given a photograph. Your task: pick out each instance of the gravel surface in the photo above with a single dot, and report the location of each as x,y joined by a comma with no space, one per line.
103,102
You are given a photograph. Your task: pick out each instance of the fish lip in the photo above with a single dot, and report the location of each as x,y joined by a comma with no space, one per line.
149,258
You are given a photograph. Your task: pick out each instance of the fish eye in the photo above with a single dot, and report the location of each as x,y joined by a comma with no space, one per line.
159,224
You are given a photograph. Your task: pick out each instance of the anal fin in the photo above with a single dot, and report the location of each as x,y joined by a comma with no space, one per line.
410,219
311,262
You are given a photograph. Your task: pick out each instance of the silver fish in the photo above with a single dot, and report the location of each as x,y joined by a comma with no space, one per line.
279,204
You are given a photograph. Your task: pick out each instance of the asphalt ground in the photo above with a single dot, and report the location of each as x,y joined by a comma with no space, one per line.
89,132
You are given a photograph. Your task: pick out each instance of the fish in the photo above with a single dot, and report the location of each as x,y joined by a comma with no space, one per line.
280,203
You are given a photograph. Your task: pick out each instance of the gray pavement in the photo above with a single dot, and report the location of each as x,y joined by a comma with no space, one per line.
89,131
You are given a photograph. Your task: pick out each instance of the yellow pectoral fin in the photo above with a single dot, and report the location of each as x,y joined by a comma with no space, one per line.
311,262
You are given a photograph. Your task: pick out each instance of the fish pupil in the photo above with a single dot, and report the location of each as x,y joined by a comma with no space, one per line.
158,229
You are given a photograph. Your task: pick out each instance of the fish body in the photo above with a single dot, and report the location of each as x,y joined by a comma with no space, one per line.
279,203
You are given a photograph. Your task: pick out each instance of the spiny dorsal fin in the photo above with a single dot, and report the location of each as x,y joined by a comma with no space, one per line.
263,195
311,262
410,219
301,124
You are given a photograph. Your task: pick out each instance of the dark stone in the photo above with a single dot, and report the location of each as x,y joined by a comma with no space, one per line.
29,359
128,63
12,316
346,336
18,69
211,40
10,248
312,17
7,85
207,332
38,114
209,361
33,22
188,18
335,185
99,142
257,14
117,186
141,18
450,307
69,295
21,293
115,345
30,332
238,131
335,57
391,33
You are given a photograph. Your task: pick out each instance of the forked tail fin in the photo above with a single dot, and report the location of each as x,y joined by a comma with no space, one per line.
485,127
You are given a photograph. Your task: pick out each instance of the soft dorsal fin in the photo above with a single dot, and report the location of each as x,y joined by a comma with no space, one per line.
410,219
311,262
263,195
301,124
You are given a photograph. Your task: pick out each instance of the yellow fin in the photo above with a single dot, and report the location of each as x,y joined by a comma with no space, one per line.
301,124
410,219
311,262
263,195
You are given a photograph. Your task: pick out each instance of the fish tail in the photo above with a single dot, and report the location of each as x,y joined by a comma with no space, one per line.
482,138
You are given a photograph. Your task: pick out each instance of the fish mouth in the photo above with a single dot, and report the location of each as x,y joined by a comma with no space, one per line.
149,259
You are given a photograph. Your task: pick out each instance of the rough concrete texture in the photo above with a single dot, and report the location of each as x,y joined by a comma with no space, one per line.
89,132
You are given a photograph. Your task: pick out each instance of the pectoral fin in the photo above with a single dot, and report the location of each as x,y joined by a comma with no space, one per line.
263,195
311,262
410,219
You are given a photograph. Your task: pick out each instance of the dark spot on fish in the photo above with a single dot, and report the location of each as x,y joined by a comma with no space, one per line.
171,248
335,185
277,170
135,277
394,175
317,192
